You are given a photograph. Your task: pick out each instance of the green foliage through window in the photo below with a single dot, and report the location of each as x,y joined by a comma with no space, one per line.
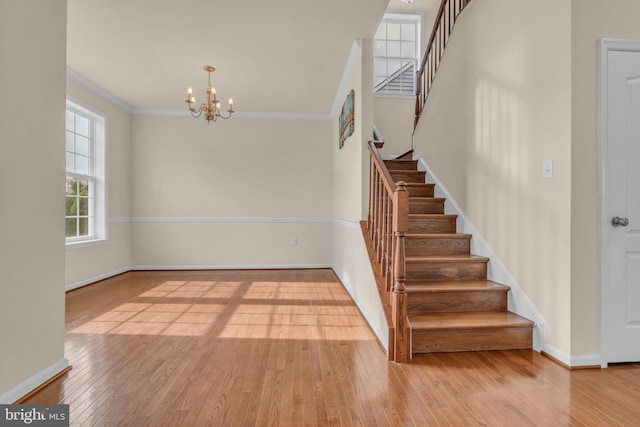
78,200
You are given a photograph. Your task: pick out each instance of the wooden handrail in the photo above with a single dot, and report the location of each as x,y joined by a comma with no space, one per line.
387,224
442,29
380,166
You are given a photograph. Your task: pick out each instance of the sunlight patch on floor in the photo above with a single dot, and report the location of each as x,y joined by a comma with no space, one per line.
154,319
273,311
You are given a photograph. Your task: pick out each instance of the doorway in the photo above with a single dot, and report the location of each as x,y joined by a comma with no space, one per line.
620,200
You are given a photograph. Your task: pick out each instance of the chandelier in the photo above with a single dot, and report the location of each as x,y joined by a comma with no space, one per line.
211,109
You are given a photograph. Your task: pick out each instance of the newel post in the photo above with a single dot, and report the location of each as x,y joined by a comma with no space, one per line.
402,339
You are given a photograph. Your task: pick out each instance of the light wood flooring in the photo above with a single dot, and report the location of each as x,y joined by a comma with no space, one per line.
290,348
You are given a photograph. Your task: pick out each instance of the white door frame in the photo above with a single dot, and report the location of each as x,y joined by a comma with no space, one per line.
606,45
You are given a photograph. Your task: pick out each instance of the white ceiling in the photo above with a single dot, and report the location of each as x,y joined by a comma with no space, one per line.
270,56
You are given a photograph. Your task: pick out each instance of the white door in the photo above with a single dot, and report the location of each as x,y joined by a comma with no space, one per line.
621,201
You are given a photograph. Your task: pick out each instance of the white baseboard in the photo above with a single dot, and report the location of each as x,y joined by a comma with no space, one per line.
94,279
557,354
587,360
519,302
577,361
34,382
230,267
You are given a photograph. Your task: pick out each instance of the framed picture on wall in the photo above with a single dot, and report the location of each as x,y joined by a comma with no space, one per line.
347,121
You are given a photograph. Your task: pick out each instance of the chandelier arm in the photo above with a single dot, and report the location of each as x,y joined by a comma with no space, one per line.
197,113
227,117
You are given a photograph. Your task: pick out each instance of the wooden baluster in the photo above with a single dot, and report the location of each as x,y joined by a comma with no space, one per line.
383,234
391,246
402,339
381,191
380,186
436,58
376,218
372,231
416,108
438,43
372,168
442,35
389,231
433,61
376,202
390,241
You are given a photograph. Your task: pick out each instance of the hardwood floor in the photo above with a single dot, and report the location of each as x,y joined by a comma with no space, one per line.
290,348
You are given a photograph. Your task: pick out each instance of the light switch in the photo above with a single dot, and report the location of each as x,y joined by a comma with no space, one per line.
294,241
547,169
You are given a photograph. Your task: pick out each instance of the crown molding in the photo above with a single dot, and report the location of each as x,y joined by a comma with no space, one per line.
88,84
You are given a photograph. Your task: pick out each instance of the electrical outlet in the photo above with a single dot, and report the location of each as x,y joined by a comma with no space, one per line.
294,241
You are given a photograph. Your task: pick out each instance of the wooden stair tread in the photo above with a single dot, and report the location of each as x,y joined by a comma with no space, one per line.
455,286
470,320
408,176
432,216
426,199
403,168
395,165
420,184
438,236
446,258
420,189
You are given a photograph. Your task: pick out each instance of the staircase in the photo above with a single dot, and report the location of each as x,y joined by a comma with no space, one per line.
450,304
435,292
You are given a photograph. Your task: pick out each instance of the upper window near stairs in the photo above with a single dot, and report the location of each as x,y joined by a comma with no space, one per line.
396,54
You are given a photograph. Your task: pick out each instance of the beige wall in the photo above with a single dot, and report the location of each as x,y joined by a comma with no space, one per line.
32,70
191,183
350,189
591,21
394,119
500,106
85,264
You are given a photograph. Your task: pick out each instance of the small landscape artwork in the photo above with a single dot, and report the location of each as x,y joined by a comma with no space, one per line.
347,119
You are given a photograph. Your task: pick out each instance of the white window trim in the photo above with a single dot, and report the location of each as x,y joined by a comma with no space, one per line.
99,233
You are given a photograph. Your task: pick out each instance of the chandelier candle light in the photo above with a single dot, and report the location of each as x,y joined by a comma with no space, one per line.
211,108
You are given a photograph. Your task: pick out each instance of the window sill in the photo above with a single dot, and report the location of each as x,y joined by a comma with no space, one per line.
394,95
84,243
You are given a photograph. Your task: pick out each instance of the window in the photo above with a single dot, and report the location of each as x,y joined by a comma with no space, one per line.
85,214
396,54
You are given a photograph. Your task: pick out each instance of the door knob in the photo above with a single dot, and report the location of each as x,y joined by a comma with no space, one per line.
616,221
